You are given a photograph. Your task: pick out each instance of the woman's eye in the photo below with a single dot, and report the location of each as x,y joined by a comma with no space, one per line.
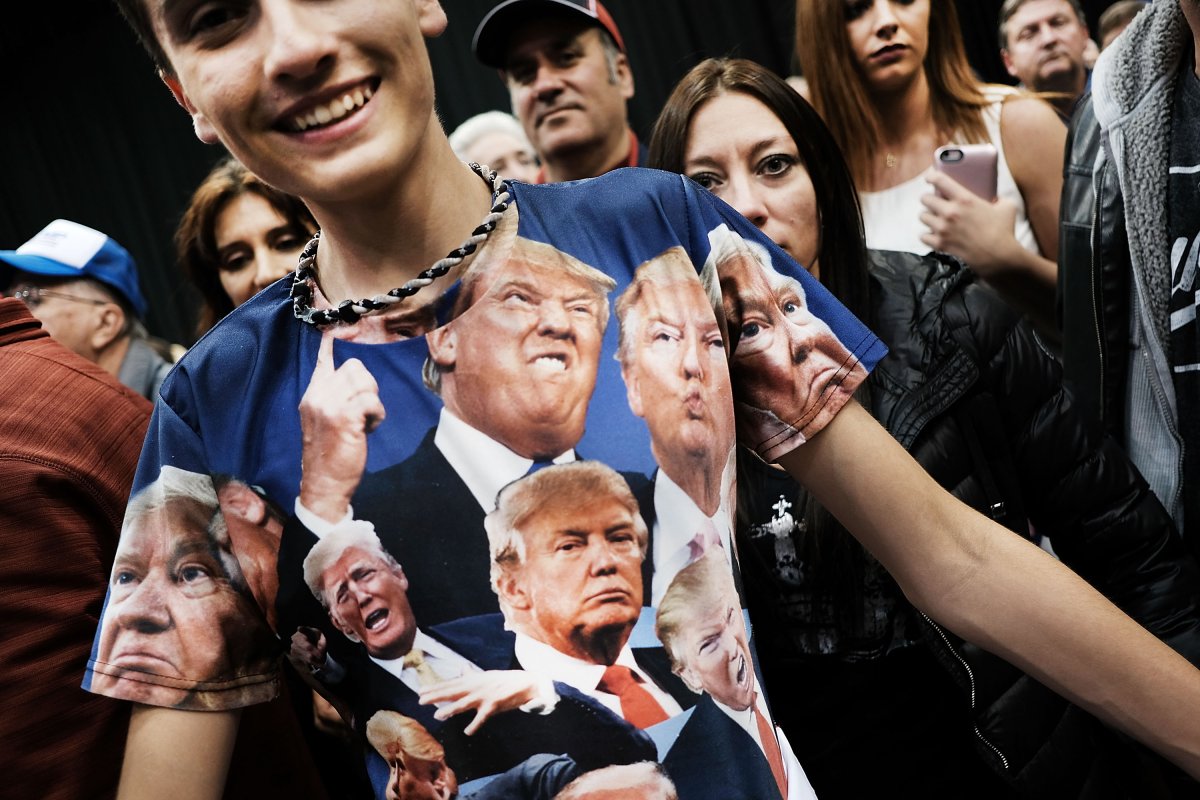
289,243
776,165
856,8
234,261
706,180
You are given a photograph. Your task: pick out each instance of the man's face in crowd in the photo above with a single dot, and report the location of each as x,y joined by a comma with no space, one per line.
581,578
329,101
413,778
368,601
678,378
520,363
172,609
71,311
716,656
1046,41
562,88
786,357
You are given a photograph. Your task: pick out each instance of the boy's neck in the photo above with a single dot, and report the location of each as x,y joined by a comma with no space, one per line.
371,246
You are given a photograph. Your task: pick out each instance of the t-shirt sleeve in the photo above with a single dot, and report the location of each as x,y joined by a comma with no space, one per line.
183,625
796,353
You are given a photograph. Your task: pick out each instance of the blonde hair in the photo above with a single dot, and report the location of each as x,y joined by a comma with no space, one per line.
569,484
648,777
670,267
391,730
176,495
697,589
527,251
358,534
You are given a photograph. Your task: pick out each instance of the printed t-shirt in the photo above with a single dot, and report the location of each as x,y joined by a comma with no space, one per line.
603,335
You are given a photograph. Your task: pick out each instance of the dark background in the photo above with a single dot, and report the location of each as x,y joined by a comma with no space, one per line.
90,134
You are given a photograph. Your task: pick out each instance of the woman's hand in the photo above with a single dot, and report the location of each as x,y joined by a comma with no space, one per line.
970,228
981,234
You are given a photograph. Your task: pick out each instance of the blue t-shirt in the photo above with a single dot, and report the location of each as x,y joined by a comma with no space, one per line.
539,530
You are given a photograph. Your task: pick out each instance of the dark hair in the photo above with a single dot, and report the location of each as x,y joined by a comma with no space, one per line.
841,253
195,238
138,17
1011,7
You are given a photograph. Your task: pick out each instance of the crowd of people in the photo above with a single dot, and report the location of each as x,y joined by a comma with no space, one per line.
849,449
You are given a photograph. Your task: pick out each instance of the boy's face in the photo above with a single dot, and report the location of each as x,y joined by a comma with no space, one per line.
329,101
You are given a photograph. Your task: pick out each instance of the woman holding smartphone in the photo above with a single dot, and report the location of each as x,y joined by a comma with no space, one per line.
892,82
981,407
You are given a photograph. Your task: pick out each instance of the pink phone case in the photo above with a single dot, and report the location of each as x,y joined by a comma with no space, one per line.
972,165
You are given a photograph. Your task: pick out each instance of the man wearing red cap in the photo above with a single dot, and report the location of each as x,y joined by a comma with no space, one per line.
568,76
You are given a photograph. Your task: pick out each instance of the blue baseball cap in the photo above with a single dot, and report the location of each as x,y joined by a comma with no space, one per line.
65,249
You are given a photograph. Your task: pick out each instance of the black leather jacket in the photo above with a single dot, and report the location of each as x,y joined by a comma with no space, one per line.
1093,293
969,391
1115,265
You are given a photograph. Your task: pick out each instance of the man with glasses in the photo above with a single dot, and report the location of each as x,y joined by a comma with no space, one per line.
83,287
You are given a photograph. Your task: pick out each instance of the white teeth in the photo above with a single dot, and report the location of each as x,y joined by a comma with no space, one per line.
550,363
334,110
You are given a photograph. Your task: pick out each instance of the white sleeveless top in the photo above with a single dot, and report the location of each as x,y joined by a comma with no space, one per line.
892,216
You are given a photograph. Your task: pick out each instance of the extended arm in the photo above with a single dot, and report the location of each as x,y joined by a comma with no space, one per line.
183,755
1079,488
961,568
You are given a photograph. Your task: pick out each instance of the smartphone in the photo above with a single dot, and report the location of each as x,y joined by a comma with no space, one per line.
972,165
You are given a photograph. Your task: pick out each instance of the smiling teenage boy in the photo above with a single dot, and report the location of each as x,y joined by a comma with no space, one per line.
333,101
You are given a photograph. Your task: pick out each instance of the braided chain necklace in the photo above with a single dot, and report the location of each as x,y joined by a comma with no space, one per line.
350,311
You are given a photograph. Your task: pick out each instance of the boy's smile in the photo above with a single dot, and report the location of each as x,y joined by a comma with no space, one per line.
345,102
329,101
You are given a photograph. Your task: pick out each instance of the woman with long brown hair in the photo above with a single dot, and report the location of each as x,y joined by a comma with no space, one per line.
237,236
856,672
891,80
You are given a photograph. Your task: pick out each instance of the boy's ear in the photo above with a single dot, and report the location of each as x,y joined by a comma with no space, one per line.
204,131
431,17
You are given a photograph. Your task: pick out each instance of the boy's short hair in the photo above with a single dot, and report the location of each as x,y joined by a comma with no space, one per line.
138,17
